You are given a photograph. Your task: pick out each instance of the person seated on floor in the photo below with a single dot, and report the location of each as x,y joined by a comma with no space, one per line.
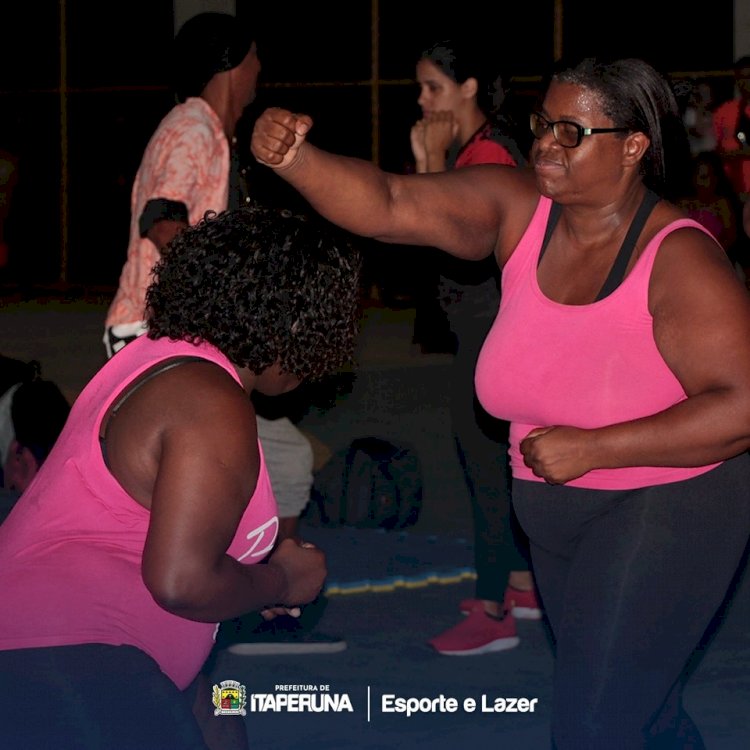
32,414
153,518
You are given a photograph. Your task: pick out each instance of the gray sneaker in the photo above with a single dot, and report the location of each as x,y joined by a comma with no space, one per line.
284,635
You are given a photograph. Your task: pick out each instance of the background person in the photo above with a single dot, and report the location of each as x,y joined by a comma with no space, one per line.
153,518
697,115
185,168
711,201
463,122
620,356
731,129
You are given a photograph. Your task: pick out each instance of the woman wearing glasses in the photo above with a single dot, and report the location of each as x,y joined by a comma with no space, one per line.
620,356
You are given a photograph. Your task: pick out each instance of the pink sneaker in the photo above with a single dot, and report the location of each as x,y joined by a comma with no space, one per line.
477,634
523,605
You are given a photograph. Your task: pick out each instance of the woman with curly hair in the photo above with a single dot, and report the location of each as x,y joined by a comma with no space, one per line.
147,523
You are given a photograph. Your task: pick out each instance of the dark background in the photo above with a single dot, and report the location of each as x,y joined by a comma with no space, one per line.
68,213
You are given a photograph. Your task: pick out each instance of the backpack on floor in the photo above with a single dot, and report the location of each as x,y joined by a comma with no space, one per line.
372,483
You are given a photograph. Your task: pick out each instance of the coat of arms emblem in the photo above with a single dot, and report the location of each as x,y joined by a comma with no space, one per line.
229,698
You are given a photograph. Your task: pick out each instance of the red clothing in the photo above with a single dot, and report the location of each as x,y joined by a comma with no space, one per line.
459,277
725,125
481,149
71,549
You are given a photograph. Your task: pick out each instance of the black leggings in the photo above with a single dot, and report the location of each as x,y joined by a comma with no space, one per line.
499,545
91,697
630,582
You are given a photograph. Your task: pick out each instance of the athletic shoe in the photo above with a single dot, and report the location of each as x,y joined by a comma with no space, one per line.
284,635
477,634
523,605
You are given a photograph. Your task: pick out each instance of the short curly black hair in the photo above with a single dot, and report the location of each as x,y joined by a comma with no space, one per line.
262,285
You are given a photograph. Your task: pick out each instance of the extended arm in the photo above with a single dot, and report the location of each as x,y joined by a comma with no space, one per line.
461,211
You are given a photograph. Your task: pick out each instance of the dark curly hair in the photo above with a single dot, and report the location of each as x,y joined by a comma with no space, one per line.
262,285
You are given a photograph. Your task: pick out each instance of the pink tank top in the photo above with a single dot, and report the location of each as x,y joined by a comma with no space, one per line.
70,551
545,363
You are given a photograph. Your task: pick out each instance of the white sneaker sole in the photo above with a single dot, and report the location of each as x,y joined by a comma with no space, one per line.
520,613
526,613
279,649
502,644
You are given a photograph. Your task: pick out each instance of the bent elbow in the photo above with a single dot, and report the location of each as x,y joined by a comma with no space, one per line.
176,591
740,439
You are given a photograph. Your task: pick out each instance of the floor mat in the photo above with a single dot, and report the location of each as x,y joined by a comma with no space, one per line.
376,560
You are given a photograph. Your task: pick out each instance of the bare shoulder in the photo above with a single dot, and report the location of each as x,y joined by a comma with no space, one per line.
701,311
192,417
468,212
202,391
209,429
195,397
519,196
687,244
691,264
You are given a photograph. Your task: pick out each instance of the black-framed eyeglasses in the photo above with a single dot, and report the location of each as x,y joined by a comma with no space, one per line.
568,134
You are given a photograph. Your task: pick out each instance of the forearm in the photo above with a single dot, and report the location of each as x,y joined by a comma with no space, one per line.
699,431
435,161
703,429
420,165
451,211
229,590
351,193
164,231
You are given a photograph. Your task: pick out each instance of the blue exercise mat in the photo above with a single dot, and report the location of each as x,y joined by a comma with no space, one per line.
376,560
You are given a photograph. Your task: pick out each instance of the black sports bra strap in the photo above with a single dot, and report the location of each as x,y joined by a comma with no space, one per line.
161,367
617,272
554,217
